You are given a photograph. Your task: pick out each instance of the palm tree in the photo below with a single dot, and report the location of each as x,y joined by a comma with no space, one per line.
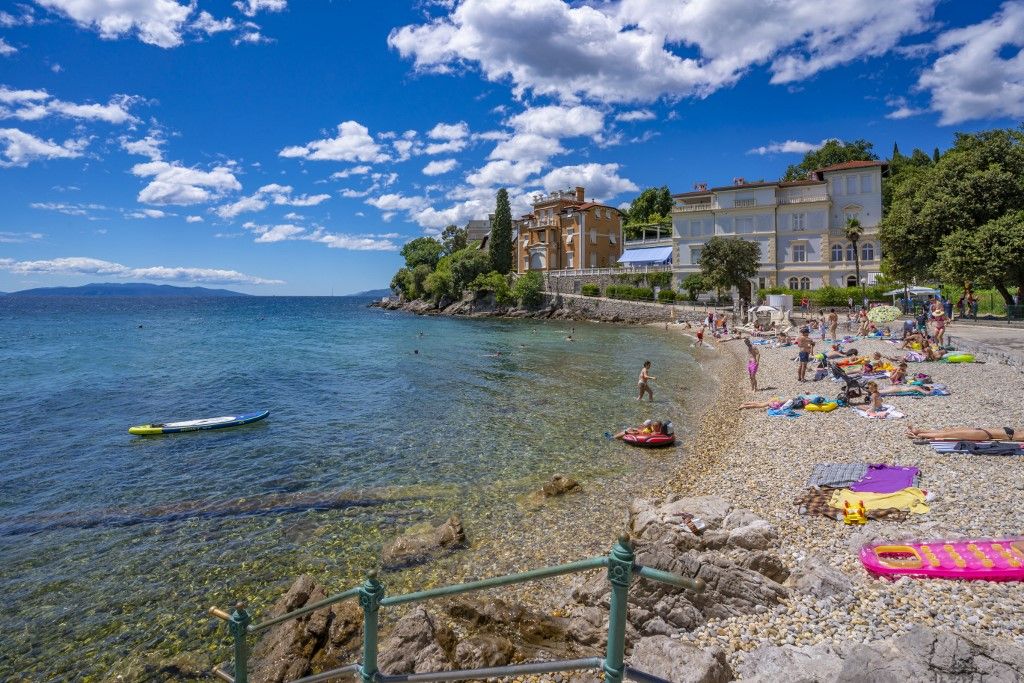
853,233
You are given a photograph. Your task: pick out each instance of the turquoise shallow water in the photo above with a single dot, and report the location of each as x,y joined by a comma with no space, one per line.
111,545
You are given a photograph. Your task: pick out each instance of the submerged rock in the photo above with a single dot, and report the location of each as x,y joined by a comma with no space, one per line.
559,486
417,547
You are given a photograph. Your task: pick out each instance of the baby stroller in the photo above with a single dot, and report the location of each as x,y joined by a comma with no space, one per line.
853,387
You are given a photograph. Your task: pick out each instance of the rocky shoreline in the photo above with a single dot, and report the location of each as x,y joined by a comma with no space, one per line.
787,596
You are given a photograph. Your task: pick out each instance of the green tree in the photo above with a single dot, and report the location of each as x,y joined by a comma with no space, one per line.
529,289
454,238
831,153
978,180
497,283
896,156
651,206
936,155
992,255
465,265
500,244
425,250
694,285
729,262
853,231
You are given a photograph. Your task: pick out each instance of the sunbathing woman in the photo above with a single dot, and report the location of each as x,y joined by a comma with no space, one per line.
874,389
899,375
967,433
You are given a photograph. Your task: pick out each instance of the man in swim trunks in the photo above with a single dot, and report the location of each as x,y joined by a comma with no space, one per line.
833,323
642,382
700,335
806,346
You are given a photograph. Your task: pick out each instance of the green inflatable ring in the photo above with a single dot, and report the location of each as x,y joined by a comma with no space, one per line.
959,358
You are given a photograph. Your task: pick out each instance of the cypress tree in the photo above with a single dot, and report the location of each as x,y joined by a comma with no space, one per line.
500,245
936,155
896,152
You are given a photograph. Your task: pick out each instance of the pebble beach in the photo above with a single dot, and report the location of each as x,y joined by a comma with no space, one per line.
762,463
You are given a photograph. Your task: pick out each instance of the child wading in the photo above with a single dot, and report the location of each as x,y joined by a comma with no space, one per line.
752,363
806,346
643,383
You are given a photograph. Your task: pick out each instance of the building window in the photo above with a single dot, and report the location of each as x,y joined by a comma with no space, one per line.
794,283
805,282
865,184
850,253
851,280
593,235
612,239
695,257
837,252
761,283
569,258
867,252
852,216
593,260
799,253
541,235
799,222
851,184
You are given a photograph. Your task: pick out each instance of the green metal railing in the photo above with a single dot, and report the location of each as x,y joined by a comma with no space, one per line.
621,565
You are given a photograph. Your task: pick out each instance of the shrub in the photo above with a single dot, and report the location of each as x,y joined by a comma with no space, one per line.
666,295
497,283
663,279
590,289
529,289
629,293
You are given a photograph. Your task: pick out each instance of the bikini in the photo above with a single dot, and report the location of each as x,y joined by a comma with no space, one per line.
1010,431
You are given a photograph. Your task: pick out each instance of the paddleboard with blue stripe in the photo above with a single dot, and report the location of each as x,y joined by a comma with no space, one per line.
198,425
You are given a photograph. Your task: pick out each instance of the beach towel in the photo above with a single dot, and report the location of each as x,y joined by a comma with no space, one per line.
916,394
886,413
886,479
910,498
783,412
837,475
979,447
815,501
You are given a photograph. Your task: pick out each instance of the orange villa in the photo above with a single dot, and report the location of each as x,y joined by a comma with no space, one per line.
566,232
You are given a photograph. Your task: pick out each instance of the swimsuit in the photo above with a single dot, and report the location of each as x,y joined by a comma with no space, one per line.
805,356
752,366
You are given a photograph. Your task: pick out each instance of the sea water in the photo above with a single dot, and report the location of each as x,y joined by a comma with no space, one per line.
112,546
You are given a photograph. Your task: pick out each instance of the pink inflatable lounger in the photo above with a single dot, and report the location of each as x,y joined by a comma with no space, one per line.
977,560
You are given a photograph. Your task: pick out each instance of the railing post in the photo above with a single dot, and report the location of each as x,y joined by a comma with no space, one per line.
620,573
239,626
370,594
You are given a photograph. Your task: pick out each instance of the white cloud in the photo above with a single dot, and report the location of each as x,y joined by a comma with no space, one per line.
602,181
353,143
559,121
355,170
209,25
148,213
525,147
68,209
292,216
973,79
176,184
449,131
279,233
194,219
18,237
280,195
636,115
439,166
903,109
624,51
251,8
80,265
252,36
26,18
289,232
148,146
787,147
6,49
32,105
504,172
156,22
19,148
397,202
448,147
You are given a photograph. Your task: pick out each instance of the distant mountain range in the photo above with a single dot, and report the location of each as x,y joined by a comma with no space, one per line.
373,292
126,289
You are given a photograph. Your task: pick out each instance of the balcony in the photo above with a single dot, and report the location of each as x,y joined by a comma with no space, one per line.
744,203
686,208
803,200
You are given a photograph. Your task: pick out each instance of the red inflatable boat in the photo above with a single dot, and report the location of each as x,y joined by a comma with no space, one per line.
650,440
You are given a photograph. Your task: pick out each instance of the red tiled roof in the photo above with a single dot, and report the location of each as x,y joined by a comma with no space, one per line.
797,183
763,183
695,193
587,205
850,164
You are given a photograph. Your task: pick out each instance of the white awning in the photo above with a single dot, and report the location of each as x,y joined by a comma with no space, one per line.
647,257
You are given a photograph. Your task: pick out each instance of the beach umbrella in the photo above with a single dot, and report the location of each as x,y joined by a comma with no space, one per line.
766,309
884,314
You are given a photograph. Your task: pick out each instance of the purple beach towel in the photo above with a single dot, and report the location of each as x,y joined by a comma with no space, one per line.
886,479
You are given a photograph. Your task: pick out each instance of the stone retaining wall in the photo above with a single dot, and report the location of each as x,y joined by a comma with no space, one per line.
600,308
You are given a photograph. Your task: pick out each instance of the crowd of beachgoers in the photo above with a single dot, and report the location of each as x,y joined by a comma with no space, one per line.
844,433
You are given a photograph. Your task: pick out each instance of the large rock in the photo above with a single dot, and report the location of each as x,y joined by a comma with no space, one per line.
418,643
729,554
680,662
559,486
814,577
323,639
417,547
923,654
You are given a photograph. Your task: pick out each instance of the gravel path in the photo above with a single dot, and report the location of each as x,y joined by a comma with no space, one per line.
763,463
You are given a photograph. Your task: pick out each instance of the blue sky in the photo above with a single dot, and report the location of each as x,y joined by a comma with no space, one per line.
285,147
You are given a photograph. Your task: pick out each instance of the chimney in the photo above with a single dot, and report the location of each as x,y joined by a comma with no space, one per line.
579,193
738,181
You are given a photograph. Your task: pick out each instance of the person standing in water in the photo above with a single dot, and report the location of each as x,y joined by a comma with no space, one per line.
643,384
752,363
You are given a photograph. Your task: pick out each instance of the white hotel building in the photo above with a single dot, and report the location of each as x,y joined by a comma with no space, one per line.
799,225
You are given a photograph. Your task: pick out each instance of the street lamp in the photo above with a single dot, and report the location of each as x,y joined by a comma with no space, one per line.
864,291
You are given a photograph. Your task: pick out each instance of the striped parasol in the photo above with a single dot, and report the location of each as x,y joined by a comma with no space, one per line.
884,314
